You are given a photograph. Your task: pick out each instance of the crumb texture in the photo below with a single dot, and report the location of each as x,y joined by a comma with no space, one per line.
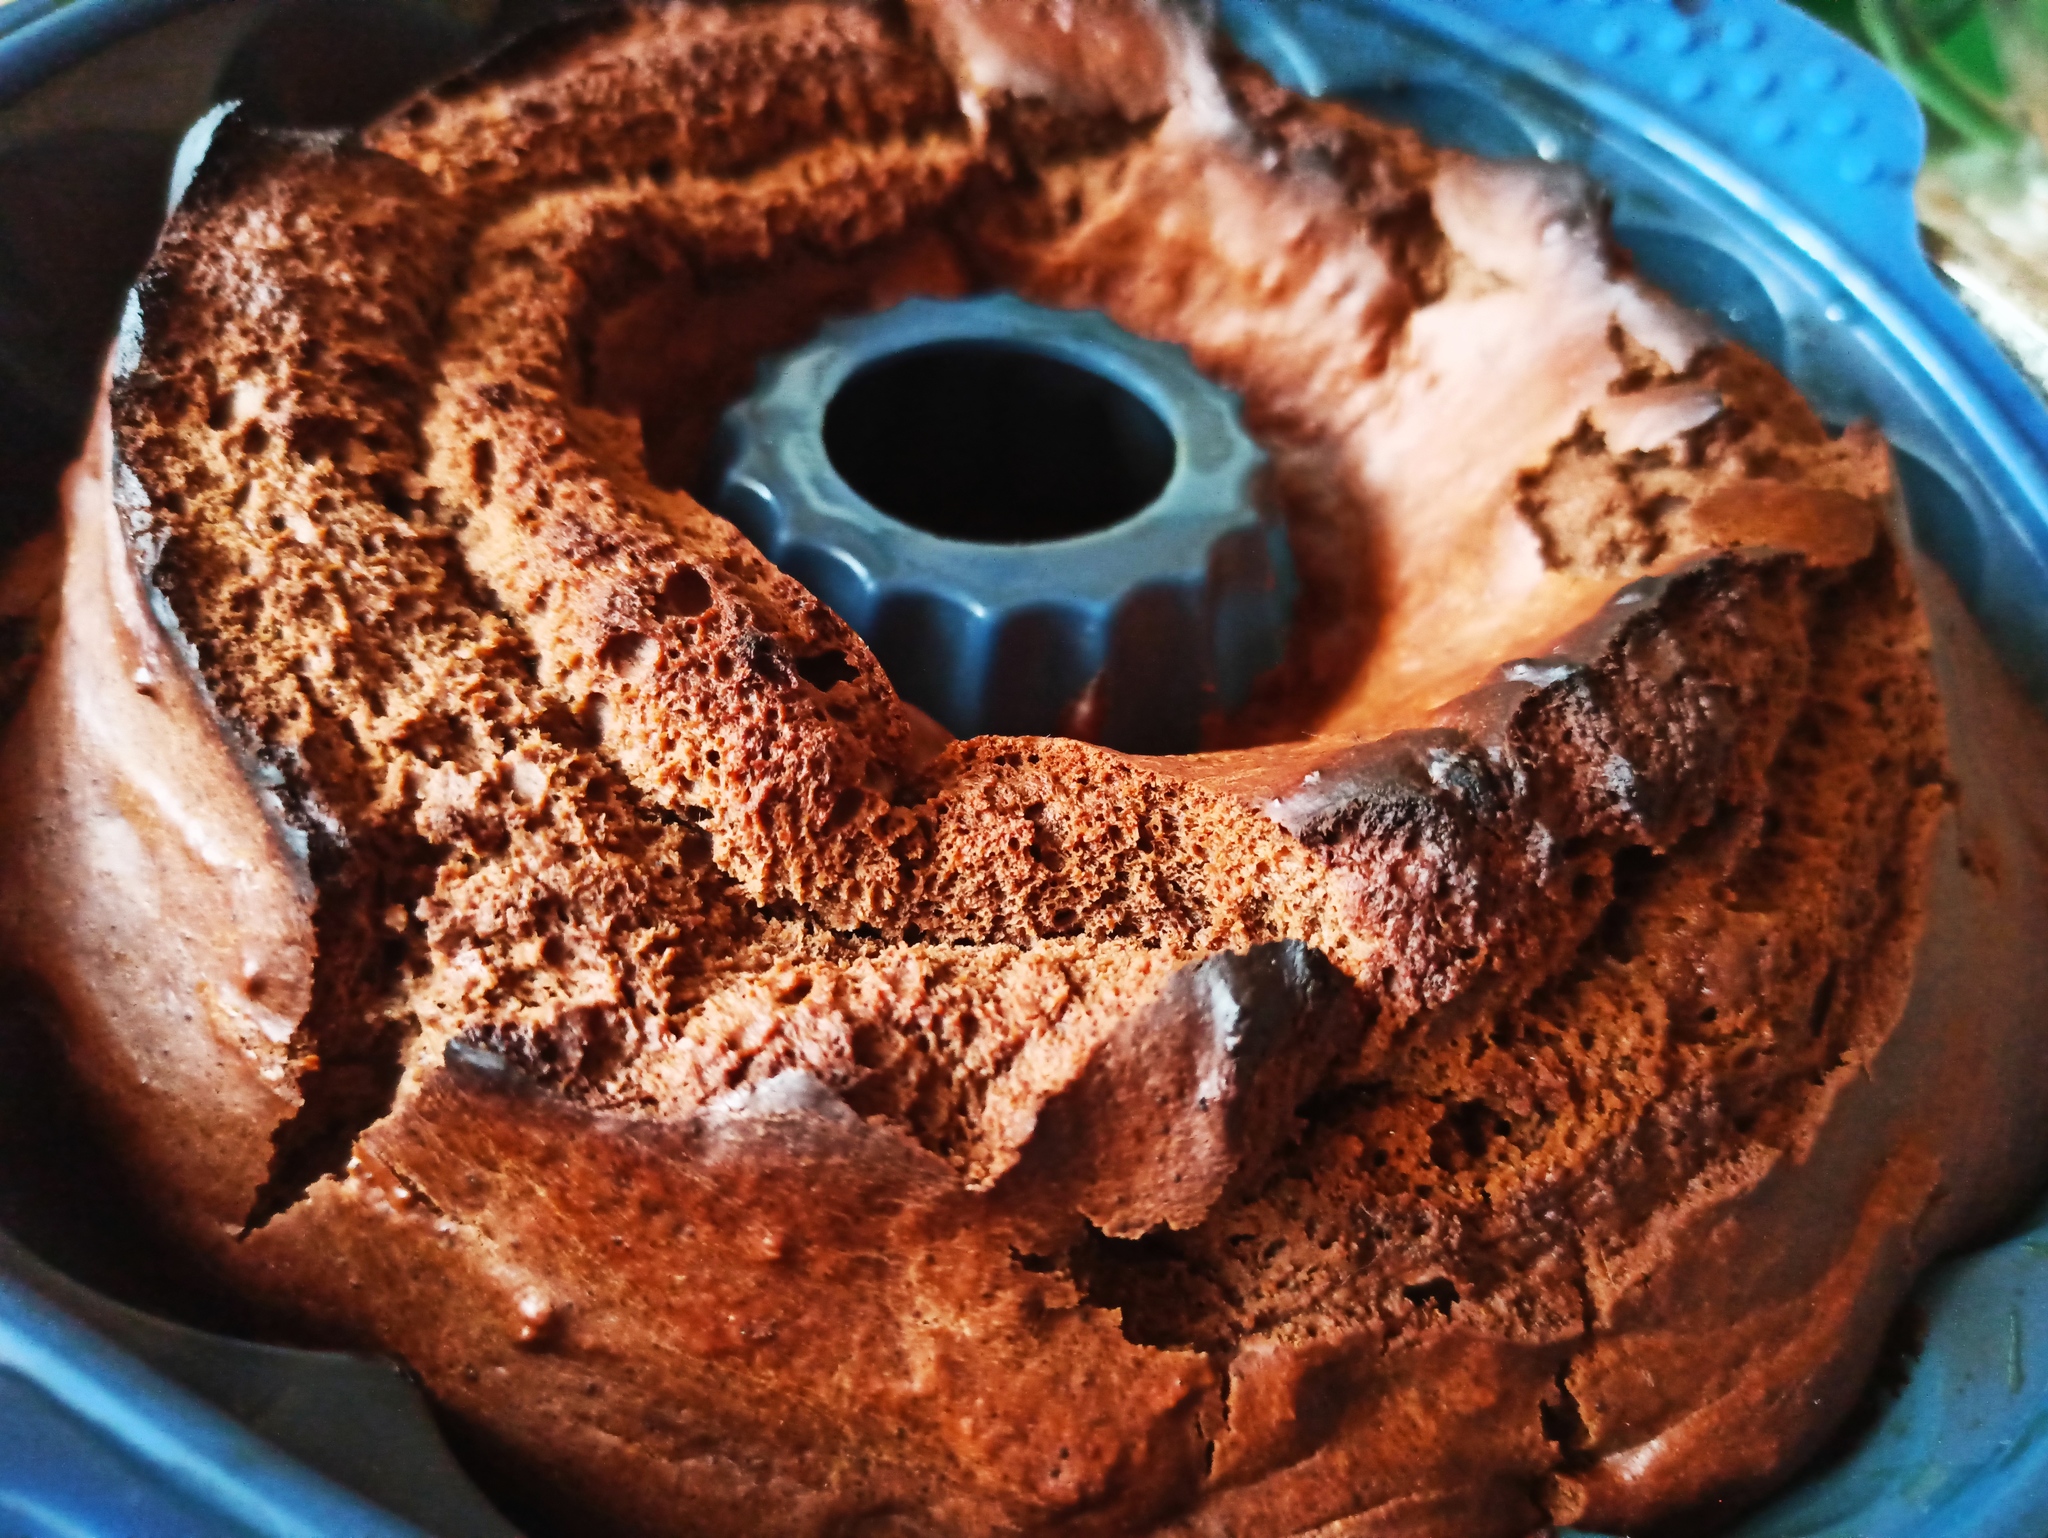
750,1112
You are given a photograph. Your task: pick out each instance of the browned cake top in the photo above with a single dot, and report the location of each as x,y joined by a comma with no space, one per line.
1565,868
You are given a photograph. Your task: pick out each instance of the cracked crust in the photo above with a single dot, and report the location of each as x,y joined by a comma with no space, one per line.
749,1112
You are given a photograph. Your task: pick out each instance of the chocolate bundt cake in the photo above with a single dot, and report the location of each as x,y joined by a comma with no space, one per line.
1510,1077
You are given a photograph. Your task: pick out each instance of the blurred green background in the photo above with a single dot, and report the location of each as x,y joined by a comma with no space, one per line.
1980,70
1948,52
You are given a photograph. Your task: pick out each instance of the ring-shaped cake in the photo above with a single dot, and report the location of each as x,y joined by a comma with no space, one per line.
1511,1078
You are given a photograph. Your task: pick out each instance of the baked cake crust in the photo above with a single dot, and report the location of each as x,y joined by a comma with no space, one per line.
505,922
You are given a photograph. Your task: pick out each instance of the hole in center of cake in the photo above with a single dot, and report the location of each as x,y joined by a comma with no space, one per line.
997,444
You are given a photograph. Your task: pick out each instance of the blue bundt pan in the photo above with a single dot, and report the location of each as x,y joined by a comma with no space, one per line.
1161,601
1761,170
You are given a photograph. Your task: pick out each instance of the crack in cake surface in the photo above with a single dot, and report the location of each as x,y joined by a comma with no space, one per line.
1281,1087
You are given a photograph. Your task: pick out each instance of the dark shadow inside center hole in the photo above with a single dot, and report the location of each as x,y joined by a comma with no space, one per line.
993,443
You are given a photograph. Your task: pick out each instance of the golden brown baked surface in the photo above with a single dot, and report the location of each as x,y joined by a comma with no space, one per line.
504,921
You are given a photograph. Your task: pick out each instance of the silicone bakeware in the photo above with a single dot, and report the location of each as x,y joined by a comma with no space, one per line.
1167,600
1761,170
